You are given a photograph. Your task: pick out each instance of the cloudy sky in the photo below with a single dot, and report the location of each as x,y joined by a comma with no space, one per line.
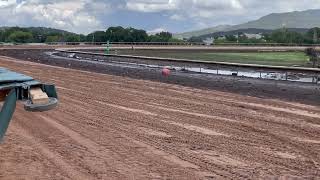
84,16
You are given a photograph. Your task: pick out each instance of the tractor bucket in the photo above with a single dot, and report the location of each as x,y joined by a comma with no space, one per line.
50,90
37,97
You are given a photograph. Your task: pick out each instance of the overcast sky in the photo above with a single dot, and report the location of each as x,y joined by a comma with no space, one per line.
84,16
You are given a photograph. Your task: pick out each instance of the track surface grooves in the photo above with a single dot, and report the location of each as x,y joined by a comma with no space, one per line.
109,127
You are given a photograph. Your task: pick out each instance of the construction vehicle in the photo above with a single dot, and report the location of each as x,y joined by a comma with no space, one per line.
36,97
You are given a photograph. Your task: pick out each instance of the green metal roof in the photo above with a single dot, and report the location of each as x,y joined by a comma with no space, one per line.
7,76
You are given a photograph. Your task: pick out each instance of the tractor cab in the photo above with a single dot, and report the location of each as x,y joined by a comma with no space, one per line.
37,97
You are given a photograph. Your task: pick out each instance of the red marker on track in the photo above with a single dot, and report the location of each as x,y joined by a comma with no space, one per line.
166,72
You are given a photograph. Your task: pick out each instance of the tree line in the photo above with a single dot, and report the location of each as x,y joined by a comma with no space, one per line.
120,34
312,36
112,34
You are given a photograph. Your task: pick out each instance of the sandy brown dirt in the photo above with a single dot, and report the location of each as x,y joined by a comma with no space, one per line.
109,127
287,91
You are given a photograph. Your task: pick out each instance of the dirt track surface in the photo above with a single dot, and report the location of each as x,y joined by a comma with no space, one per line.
287,91
110,127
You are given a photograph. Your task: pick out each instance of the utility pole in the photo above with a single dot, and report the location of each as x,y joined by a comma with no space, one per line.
107,50
284,30
93,37
315,35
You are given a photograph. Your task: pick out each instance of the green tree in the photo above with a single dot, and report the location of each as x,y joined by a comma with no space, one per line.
285,36
154,38
231,38
72,38
83,38
267,37
313,36
166,36
160,37
136,35
2,37
116,34
97,36
50,39
313,54
242,38
20,37
176,40
120,34
195,39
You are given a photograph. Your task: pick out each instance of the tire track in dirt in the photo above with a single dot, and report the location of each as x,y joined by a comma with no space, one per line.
160,131
54,157
280,109
134,111
168,157
100,152
121,129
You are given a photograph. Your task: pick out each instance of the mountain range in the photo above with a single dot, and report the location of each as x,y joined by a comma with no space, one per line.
295,20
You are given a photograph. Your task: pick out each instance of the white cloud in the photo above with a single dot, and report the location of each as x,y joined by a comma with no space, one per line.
191,6
213,8
157,30
87,15
67,14
6,3
217,4
177,17
151,5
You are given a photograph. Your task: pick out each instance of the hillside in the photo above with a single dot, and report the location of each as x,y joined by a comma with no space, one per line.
202,32
297,19
35,35
43,30
249,31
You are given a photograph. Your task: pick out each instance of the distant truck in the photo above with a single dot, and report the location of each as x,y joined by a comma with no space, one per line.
37,97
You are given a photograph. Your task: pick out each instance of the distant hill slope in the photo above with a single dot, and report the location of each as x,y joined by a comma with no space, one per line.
49,30
249,31
297,19
39,29
202,32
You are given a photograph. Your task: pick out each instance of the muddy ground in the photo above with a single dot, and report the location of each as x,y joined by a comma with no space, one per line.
112,127
288,91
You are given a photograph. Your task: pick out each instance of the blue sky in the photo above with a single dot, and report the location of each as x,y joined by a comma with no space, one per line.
84,16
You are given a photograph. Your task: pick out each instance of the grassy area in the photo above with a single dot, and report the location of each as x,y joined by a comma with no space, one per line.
269,58
264,58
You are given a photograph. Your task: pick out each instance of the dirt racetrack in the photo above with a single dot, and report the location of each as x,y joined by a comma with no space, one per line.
110,127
